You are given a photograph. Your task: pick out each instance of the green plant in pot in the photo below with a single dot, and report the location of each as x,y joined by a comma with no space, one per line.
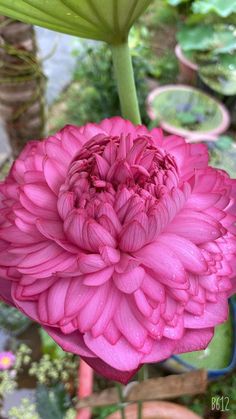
186,111
212,49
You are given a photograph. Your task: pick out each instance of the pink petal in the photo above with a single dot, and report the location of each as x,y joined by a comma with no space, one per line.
130,281
37,258
129,326
107,314
93,309
109,211
163,261
15,236
56,297
28,248
189,254
73,342
74,229
37,287
202,201
71,139
54,174
109,254
99,236
194,340
121,356
142,303
50,229
41,196
65,204
133,237
36,210
56,152
51,267
112,333
103,166
196,230
91,263
107,371
161,350
175,332
153,288
77,297
214,313
99,277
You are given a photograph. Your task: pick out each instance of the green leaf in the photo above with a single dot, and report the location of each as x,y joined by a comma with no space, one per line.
225,142
195,38
186,118
218,38
216,356
222,8
105,20
220,75
52,402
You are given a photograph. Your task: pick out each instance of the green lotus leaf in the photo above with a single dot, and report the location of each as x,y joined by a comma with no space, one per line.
104,20
218,38
222,8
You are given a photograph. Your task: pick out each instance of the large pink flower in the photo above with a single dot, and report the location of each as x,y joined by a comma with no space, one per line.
120,242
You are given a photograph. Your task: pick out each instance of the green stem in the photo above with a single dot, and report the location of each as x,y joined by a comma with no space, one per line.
121,399
142,376
125,81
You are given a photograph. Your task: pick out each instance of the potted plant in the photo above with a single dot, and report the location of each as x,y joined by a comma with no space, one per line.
208,51
188,112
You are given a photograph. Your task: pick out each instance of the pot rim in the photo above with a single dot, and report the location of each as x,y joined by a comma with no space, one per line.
181,57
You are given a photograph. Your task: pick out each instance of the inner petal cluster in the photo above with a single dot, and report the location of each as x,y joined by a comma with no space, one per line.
113,186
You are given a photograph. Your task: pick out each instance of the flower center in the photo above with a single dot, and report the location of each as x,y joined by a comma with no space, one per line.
104,165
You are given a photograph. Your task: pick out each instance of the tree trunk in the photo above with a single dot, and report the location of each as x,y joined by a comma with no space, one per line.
21,84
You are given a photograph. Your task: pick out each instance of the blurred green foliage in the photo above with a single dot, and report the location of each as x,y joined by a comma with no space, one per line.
12,320
53,402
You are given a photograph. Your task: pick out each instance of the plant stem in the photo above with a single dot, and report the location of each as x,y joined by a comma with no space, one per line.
125,82
122,409
142,376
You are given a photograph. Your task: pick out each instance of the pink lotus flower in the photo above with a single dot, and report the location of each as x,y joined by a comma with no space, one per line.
7,360
120,242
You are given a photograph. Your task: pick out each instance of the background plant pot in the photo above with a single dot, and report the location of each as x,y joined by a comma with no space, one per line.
170,96
177,364
157,410
188,69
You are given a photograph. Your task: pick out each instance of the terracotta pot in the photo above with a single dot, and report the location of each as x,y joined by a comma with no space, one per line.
188,69
157,410
192,136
